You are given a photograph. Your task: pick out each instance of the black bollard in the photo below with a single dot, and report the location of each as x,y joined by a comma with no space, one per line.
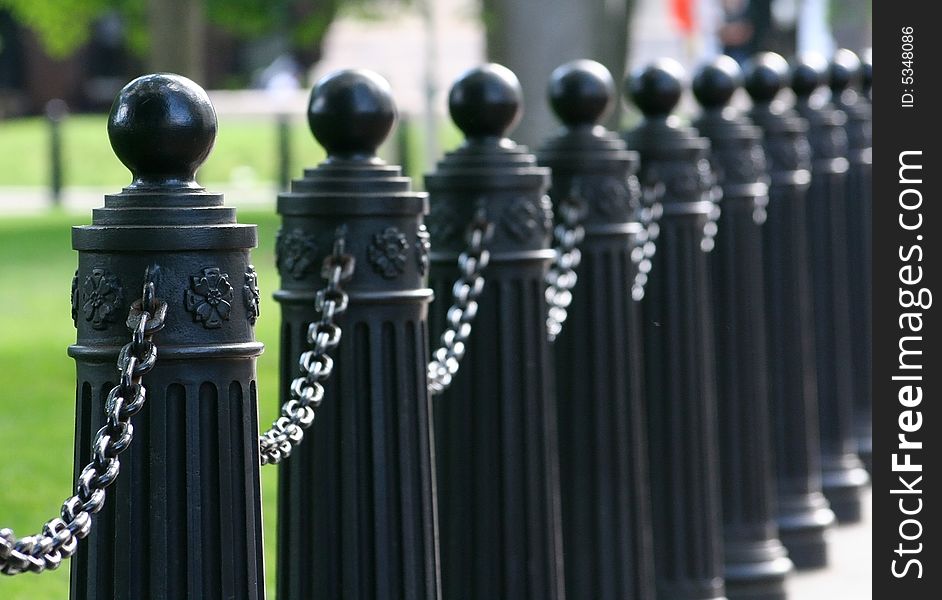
495,429
803,513
755,560
404,146
356,505
184,518
603,473
843,474
678,344
57,111
846,75
283,135
863,409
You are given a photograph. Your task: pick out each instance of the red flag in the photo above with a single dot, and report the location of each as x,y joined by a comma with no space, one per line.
682,11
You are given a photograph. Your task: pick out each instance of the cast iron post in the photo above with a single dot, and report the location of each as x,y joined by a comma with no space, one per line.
356,504
843,474
495,429
57,112
283,135
603,474
680,374
845,79
183,520
755,560
803,513
863,410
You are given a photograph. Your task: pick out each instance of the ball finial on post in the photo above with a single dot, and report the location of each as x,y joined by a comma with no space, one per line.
162,127
656,89
716,82
486,102
581,92
808,74
844,71
765,75
350,113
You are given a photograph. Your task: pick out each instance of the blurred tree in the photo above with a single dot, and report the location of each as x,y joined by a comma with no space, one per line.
62,25
533,37
171,33
852,23
177,36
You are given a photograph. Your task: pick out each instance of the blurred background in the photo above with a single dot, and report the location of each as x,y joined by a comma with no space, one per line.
62,62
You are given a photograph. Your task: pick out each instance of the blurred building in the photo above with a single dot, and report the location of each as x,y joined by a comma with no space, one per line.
89,77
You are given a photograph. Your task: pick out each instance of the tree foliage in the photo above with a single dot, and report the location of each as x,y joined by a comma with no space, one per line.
304,22
64,25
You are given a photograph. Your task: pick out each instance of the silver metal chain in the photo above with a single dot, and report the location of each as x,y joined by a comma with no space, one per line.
649,217
446,360
561,277
59,538
711,227
307,391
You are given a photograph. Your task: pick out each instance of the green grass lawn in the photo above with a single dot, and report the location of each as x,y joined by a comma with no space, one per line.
246,152
37,381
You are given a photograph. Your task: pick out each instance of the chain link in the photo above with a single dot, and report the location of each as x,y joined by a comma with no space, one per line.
649,216
561,277
307,391
446,360
711,227
59,538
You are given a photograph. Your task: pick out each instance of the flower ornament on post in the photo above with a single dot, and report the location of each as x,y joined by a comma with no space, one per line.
251,295
210,300
423,247
101,298
387,253
294,253
524,219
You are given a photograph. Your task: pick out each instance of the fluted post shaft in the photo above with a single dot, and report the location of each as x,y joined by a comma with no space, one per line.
842,472
755,560
845,71
183,520
356,517
599,385
803,514
495,428
680,375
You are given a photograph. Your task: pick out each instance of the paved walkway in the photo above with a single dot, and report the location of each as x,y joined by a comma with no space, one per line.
850,575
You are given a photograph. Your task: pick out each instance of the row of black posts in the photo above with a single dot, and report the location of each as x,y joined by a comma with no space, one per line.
689,434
